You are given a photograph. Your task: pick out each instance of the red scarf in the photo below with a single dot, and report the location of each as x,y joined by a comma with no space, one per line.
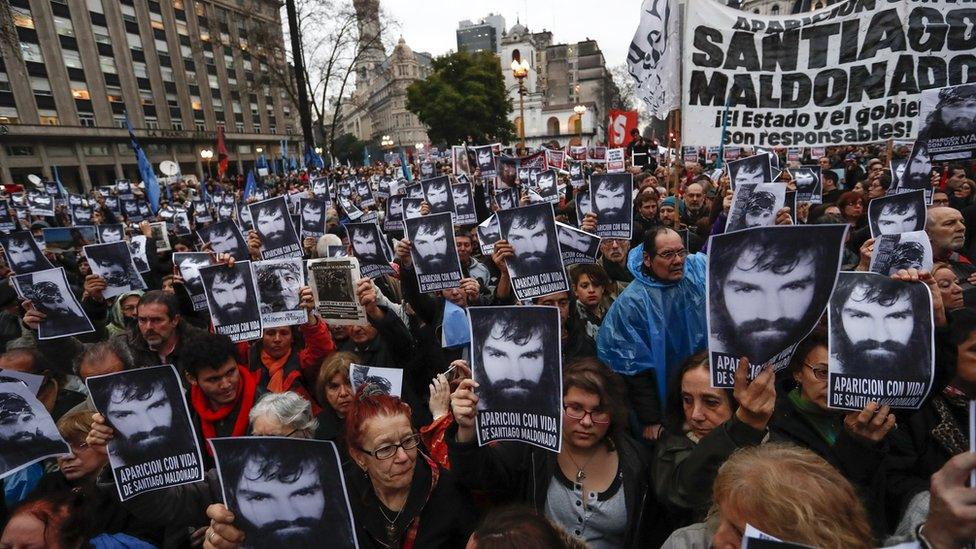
245,398
410,536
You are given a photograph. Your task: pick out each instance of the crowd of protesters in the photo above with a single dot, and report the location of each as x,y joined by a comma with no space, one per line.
667,462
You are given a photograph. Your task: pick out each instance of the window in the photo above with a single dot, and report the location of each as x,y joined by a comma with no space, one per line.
177,124
49,117
134,40
72,59
63,26
212,80
182,29
4,81
22,17
95,6
146,97
204,34
152,122
20,150
101,34
240,127
31,52
237,107
140,70
195,103
95,150
178,4
201,126
156,21
8,115
575,123
774,10
86,119
79,90
107,64
166,73
119,120
129,13
552,125
273,129
40,85
162,46
114,94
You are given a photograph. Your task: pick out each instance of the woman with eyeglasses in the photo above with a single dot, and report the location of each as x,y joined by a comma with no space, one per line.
853,442
595,488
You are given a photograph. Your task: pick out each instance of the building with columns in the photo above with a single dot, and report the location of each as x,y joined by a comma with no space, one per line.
71,70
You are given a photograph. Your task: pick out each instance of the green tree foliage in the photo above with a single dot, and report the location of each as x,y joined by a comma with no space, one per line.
463,99
348,148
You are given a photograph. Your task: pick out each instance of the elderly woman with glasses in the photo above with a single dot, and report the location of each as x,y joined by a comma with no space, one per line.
854,442
595,488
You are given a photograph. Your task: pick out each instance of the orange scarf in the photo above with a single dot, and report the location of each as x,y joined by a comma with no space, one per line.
276,369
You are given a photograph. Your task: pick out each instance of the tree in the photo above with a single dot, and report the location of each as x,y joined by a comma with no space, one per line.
463,100
347,148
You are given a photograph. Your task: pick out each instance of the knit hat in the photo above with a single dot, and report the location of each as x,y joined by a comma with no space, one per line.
673,202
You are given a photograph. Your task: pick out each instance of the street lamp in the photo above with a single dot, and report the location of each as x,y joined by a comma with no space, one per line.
520,69
259,150
318,150
207,154
386,142
580,110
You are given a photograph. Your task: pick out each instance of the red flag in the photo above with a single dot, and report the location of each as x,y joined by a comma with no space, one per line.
618,131
221,153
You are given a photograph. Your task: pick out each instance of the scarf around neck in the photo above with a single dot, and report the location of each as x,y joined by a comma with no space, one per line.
244,400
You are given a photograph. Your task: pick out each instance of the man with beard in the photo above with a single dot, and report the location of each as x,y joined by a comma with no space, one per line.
23,255
609,200
694,200
669,212
955,114
516,357
141,412
189,266
438,195
313,222
22,434
161,335
485,159
463,204
224,240
61,315
766,294
117,272
411,207
110,233
876,328
365,245
508,171
430,242
532,244
231,300
269,221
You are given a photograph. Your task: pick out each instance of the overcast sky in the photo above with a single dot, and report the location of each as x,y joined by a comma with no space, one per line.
429,25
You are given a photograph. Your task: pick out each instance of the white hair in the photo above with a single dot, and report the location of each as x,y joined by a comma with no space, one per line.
326,240
286,409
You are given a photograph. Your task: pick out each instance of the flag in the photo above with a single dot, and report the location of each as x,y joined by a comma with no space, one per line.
251,185
366,156
145,169
405,167
618,131
654,55
312,159
221,153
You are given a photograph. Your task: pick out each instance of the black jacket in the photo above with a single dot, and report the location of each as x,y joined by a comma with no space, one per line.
143,356
523,472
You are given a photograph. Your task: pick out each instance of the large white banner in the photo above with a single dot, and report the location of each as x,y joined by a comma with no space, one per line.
848,73
653,57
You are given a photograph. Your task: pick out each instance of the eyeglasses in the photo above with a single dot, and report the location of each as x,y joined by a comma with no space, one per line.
75,448
941,202
389,450
819,373
577,412
669,255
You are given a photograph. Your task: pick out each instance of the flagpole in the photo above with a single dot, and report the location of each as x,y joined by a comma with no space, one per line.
725,127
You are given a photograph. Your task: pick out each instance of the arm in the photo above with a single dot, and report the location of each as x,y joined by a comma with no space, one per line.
318,344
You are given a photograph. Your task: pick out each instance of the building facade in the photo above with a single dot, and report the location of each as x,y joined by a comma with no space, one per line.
378,105
72,70
561,77
485,35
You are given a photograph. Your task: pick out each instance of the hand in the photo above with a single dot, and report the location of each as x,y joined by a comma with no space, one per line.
464,404
952,506
727,201
500,254
221,534
145,228
307,301
440,396
366,292
403,248
870,424
783,216
525,199
866,251
309,242
756,398
971,279
471,287
99,434
653,431
424,208
33,317
589,223
223,259
254,244
94,286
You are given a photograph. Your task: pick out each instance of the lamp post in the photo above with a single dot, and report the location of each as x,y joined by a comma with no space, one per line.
207,154
580,110
520,70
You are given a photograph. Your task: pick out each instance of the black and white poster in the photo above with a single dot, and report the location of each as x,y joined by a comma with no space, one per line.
577,246
280,283
809,187
349,208
434,254
140,256
612,202
486,161
27,432
285,492
437,192
8,223
62,239
488,234
367,244
948,123
412,207
576,177
232,300
333,281
22,253
314,213
365,194
755,205
767,288
114,232
274,226
393,220
751,169
189,265
507,199
161,235
583,205
49,293
881,342
225,237
464,210
517,363
537,267
507,175
244,220
81,214
547,185
415,191
459,160
154,445
40,204
32,381
388,381
320,187
113,262
897,213
893,252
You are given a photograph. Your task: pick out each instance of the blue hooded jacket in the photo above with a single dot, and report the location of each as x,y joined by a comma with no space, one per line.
655,324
